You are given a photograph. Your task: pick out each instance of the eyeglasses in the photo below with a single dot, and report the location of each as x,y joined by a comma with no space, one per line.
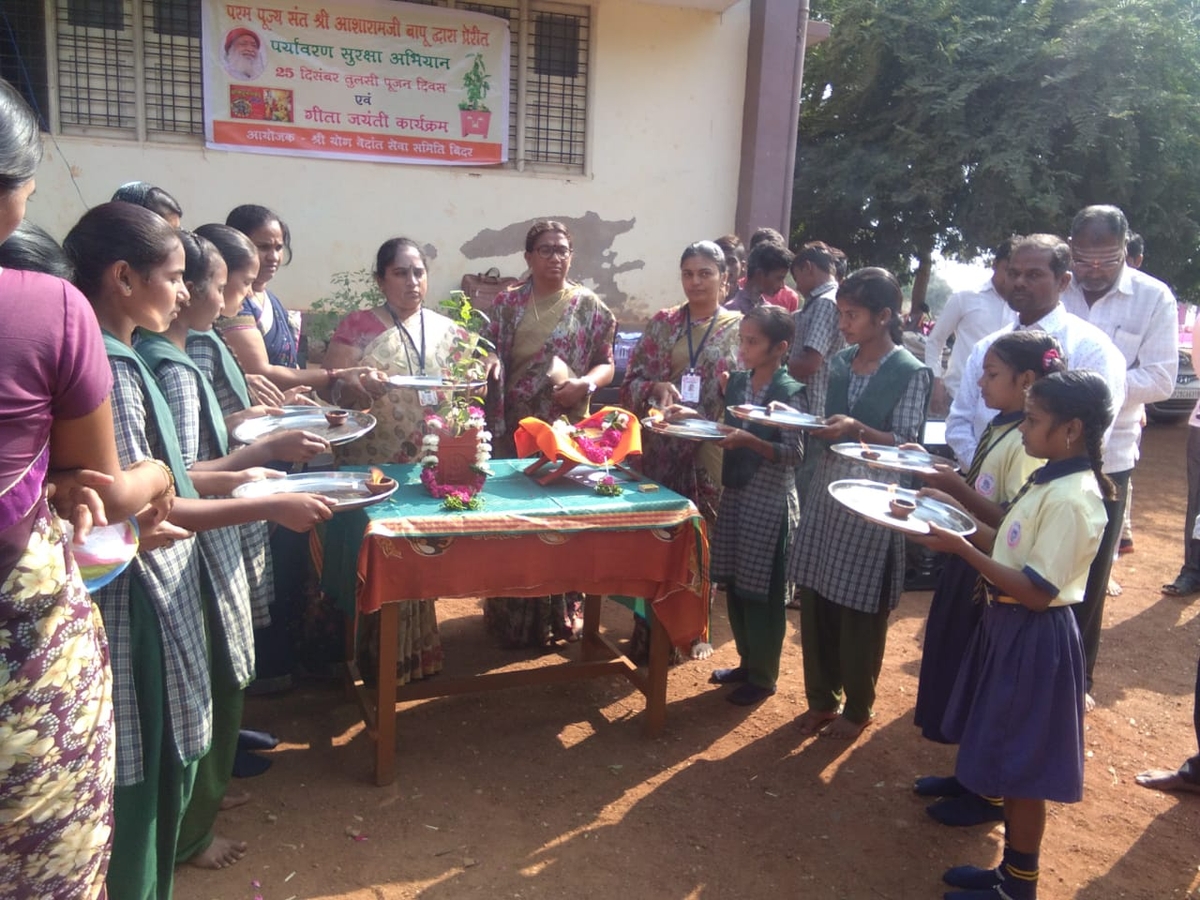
545,251
1089,261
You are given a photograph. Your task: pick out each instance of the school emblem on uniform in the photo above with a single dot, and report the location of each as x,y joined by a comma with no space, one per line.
986,484
1014,534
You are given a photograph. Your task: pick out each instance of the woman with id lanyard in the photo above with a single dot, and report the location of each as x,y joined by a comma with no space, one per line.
401,337
684,356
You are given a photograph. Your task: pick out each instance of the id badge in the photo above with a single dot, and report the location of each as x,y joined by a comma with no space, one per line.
427,398
689,387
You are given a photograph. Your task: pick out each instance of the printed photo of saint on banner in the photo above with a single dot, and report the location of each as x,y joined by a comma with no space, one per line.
369,79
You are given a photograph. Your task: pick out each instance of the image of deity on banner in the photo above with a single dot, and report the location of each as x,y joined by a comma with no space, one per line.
244,58
261,104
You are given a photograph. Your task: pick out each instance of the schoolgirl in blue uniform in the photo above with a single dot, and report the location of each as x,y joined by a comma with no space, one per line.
1018,703
999,470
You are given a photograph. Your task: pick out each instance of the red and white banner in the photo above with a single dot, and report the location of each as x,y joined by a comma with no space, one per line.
368,79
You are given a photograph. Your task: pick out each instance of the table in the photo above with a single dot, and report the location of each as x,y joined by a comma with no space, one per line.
529,540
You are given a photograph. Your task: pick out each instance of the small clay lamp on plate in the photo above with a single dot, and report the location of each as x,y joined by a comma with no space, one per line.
378,483
336,417
901,507
870,454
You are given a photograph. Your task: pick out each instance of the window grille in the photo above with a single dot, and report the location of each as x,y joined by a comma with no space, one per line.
23,52
174,84
96,85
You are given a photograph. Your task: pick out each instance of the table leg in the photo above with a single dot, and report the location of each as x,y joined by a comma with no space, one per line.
660,660
385,695
351,657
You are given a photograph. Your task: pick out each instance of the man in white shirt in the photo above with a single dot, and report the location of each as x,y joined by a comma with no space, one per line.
1037,275
969,316
1138,313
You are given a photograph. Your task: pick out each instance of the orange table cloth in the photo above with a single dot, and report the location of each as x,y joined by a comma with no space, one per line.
529,540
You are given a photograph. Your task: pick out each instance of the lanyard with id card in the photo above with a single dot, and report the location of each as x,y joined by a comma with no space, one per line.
689,384
424,397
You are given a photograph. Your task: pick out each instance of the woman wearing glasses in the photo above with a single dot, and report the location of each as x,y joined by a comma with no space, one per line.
553,350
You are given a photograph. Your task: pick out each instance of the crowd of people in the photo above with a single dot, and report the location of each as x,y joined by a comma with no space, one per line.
132,351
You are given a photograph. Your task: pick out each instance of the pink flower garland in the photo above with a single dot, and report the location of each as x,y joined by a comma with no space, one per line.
599,450
463,494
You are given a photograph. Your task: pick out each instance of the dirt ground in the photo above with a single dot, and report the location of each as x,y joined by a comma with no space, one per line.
555,792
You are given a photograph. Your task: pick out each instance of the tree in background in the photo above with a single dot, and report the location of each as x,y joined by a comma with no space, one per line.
951,124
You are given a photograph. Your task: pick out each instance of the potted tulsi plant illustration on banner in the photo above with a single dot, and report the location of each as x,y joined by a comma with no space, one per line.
476,117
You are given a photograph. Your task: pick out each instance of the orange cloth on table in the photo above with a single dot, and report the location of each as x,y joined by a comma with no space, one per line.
536,436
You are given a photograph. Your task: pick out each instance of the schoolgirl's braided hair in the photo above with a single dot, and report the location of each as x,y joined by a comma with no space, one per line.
1030,351
1080,394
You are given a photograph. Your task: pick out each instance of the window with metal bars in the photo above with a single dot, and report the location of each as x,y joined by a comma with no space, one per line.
23,61
99,88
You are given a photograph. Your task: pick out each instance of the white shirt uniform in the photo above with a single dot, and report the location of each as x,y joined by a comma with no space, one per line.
1139,315
970,316
1086,347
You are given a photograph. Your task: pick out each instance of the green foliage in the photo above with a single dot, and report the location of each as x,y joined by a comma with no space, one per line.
477,83
951,124
469,364
351,292
458,308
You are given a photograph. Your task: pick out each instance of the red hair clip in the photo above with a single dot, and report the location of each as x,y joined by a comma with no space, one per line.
1048,358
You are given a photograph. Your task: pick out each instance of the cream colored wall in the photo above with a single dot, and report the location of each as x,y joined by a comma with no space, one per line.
666,112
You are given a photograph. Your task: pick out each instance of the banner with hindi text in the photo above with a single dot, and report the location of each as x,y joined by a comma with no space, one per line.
357,79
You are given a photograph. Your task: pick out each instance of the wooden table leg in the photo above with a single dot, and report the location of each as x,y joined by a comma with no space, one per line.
385,695
351,658
660,660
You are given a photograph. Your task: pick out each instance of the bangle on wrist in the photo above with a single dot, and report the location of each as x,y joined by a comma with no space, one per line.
591,384
166,470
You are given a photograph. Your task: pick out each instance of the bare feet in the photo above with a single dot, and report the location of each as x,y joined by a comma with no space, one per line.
1165,780
812,721
234,799
701,650
1089,703
842,729
1114,589
221,853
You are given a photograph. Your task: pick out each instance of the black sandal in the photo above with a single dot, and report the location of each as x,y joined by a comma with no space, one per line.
1183,586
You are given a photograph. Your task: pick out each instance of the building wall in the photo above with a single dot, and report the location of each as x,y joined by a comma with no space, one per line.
666,114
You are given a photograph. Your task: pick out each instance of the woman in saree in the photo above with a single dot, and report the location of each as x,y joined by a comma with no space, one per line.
399,337
553,342
260,334
685,356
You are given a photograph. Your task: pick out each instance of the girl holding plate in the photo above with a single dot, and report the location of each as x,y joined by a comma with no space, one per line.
850,572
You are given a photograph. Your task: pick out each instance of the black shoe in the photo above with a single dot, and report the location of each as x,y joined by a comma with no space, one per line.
965,811
938,786
749,694
256,740
729,676
249,765
972,878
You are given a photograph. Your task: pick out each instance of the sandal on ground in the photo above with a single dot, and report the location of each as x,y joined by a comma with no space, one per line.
1183,586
